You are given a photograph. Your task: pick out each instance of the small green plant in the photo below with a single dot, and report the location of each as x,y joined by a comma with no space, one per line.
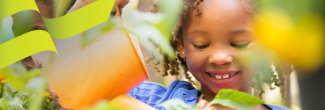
226,97
22,89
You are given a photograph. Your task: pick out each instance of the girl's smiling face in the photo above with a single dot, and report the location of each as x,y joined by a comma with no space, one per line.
218,46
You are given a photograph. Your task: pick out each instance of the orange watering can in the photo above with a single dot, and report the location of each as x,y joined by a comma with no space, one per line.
104,69
108,67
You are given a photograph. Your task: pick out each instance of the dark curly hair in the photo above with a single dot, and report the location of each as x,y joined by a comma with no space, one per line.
271,77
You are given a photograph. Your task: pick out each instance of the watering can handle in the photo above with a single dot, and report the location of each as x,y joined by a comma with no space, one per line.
130,103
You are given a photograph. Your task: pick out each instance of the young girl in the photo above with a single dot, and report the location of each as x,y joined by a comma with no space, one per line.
215,42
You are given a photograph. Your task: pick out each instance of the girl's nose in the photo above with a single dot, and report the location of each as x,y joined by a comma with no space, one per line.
220,58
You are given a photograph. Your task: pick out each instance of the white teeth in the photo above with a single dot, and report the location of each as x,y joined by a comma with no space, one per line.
225,76
218,76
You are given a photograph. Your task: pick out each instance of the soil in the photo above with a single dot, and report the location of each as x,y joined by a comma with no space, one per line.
55,100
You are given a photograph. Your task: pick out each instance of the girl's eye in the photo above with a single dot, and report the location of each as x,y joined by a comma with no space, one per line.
200,46
240,46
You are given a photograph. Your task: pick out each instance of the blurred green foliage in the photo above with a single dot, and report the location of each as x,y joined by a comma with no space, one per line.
295,9
22,89
236,99
154,29
226,97
175,104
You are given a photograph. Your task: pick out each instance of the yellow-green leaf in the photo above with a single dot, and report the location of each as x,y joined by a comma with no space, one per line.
236,99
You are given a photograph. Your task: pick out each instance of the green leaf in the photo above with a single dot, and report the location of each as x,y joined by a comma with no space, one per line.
8,91
236,99
18,75
32,73
15,104
6,30
10,99
157,27
9,74
94,33
19,70
1,89
138,17
175,104
172,10
148,33
146,30
29,83
36,86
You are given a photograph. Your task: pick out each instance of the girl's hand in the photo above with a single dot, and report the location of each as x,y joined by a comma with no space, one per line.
82,3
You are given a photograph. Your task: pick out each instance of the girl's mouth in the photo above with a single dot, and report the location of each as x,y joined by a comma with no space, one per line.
223,76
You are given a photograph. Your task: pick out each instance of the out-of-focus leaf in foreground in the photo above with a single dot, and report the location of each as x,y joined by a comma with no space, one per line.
36,86
10,99
226,97
153,29
236,99
175,104
18,76
149,35
172,10
27,88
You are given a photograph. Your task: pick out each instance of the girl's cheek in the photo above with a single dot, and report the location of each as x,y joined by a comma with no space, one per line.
195,59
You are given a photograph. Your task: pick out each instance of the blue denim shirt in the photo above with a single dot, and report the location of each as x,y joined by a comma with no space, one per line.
154,94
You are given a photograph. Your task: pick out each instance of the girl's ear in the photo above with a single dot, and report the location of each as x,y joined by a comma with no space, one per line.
181,50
